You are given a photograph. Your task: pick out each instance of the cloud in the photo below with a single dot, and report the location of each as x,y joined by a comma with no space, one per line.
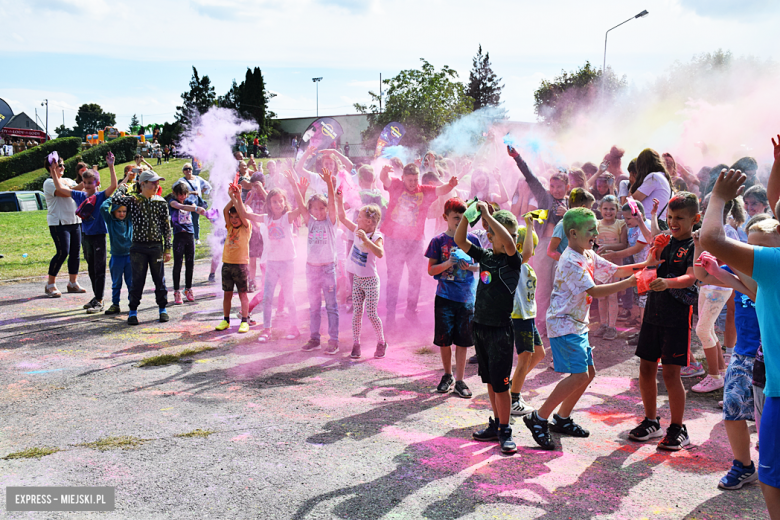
351,6
65,6
728,9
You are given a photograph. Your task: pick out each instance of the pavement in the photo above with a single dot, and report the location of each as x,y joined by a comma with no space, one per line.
305,435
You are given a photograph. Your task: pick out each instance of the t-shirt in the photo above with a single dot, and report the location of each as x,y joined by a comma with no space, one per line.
746,321
407,210
236,249
321,242
609,234
635,235
94,225
454,283
281,242
766,265
197,184
569,301
623,188
662,309
498,279
525,296
61,211
655,186
558,232
361,261
181,220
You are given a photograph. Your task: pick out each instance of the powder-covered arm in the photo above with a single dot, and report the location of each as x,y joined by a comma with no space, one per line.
543,197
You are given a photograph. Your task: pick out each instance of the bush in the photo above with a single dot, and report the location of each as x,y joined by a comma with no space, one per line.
123,149
32,159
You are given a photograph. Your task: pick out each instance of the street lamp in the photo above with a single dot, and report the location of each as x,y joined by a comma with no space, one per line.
604,66
317,81
46,102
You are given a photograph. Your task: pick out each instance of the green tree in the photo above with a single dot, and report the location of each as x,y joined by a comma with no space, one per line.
91,118
197,100
423,100
250,99
134,122
484,86
557,101
64,131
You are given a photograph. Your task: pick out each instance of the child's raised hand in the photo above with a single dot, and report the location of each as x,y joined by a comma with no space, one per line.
387,169
110,159
326,175
288,174
303,185
453,182
529,219
656,203
482,207
729,184
776,146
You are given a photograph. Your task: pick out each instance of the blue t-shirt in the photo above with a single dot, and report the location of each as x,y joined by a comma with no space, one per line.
746,320
558,233
94,225
181,221
766,264
454,283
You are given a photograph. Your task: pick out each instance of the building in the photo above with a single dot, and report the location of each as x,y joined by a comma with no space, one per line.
22,132
352,124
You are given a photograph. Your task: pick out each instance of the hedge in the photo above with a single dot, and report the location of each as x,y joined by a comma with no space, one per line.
32,159
124,150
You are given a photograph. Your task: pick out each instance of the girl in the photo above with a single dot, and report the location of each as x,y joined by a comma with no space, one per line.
183,240
578,198
604,187
480,187
652,180
331,160
361,262
255,201
577,179
613,236
756,202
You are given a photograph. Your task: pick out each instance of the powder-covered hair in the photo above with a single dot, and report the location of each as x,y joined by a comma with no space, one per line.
614,155
755,219
454,204
411,169
581,198
560,177
575,218
609,199
579,176
758,193
589,168
273,193
766,226
317,197
745,164
521,231
179,189
91,174
685,200
627,209
366,173
372,212
506,219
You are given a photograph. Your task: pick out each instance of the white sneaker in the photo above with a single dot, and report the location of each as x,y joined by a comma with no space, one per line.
520,407
708,384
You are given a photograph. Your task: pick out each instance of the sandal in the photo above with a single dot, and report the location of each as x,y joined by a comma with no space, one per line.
51,291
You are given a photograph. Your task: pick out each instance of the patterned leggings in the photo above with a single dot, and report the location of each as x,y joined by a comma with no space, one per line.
366,290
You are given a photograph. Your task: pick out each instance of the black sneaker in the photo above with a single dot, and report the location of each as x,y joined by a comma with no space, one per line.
488,434
567,427
90,304
676,438
114,309
505,439
212,278
462,389
473,360
539,430
312,344
164,317
445,384
647,429
96,308
132,320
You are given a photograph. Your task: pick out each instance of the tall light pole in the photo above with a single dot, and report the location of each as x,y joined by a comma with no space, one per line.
317,81
604,65
46,102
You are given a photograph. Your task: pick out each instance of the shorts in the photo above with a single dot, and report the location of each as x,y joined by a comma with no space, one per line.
526,335
572,353
235,274
255,244
453,323
671,345
640,299
758,406
494,353
738,389
769,447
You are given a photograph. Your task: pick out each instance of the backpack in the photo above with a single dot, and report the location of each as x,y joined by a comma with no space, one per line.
86,208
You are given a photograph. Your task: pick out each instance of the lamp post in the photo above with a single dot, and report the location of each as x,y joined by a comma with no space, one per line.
604,65
46,102
317,81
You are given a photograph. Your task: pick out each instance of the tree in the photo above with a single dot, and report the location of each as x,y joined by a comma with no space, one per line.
250,99
197,100
64,131
91,118
557,101
134,122
423,100
484,86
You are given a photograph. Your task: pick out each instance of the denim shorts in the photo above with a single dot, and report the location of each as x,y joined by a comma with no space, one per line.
572,353
738,389
526,335
452,323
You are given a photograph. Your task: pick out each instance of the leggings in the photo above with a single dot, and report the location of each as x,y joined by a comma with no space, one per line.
366,290
711,301
67,240
183,251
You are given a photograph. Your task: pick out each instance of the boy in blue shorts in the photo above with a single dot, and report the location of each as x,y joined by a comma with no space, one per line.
567,323
454,304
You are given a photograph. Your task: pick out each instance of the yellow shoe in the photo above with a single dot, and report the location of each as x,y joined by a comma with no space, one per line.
223,325
244,327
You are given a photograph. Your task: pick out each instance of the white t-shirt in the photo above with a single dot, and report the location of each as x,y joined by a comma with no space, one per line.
321,242
623,188
635,236
281,239
525,295
61,210
569,303
655,186
361,261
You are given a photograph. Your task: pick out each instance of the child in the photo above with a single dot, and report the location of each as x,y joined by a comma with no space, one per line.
93,228
183,240
320,217
120,233
255,201
528,342
151,240
492,324
666,327
454,304
613,236
578,198
235,259
567,323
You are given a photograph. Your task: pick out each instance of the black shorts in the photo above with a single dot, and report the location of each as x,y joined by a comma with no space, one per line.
670,345
526,335
453,323
235,274
494,352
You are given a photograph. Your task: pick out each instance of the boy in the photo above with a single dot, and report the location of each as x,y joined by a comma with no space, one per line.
183,240
235,259
666,327
93,227
492,324
120,233
567,323
454,303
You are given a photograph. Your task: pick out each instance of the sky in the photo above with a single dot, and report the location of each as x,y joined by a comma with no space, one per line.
137,59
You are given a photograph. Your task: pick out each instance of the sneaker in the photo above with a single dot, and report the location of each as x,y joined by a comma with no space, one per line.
624,314
89,304
633,342
540,431
520,407
676,438
177,298
312,344
463,390
634,323
132,320
695,369
75,288
473,360
632,335
505,440
488,434
738,476
727,358
189,295
379,353
647,429
600,331
164,317
567,427
355,351
252,287
197,242
264,336
212,278
114,309
332,348
708,384
222,325
445,384
249,319
293,334
244,327
51,291
610,333
96,308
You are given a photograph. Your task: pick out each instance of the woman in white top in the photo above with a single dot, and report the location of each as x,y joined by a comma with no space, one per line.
198,187
65,229
652,180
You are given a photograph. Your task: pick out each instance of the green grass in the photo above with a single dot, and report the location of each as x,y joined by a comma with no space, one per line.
197,433
124,442
167,359
31,453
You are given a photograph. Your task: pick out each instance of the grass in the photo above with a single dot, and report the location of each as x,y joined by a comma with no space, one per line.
167,359
124,442
31,453
424,350
197,433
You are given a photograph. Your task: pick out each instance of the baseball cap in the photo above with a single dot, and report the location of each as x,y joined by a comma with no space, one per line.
149,175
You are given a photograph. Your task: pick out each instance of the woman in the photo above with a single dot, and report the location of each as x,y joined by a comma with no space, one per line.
198,188
65,229
652,180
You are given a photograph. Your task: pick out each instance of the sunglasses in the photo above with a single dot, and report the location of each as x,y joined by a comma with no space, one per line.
186,169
